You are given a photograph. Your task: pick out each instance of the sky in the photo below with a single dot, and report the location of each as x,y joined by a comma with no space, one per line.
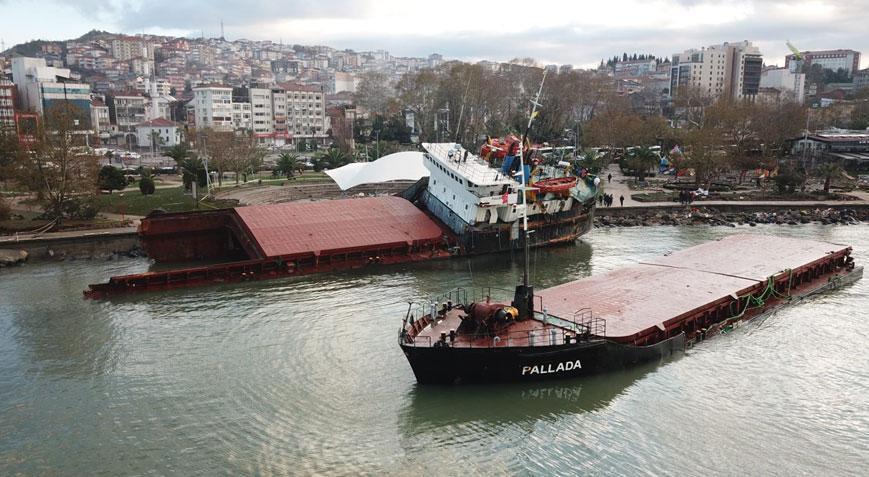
577,32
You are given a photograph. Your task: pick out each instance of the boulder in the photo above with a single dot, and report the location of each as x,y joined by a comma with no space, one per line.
12,257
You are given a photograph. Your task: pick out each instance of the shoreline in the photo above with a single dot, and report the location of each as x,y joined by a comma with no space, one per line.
109,244
731,215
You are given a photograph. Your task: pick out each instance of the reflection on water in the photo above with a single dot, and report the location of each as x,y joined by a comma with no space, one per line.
431,407
304,376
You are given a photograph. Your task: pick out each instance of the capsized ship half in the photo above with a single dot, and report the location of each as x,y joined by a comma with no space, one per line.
478,197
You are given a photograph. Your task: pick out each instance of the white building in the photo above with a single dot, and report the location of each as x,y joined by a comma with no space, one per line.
7,103
263,117
343,82
213,106
848,60
306,112
166,132
784,80
41,87
731,69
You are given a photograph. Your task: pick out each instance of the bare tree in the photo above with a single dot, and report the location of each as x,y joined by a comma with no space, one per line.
57,166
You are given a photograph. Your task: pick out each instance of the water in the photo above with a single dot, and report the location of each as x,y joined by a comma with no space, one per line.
305,377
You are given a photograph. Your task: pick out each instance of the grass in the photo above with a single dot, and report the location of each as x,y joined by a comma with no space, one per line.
130,201
269,180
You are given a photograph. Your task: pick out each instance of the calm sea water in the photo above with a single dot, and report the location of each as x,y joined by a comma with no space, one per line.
305,377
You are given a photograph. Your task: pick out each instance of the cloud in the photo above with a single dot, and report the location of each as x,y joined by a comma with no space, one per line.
580,33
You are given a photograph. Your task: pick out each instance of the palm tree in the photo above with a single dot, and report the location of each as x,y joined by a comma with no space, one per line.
641,160
335,158
288,163
829,171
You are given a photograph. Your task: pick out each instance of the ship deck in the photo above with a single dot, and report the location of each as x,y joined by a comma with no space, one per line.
345,225
658,292
530,332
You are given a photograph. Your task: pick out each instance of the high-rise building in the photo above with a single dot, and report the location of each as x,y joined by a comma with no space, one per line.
730,70
848,60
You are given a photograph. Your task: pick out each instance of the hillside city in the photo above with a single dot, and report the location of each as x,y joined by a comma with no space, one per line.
234,108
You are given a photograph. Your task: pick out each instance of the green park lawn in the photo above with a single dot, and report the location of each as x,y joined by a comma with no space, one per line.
131,202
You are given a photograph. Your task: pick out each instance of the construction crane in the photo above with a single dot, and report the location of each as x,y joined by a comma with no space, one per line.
796,67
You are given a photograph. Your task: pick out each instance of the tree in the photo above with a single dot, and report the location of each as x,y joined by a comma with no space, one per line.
828,171
373,92
788,178
146,183
593,161
287,164
111,178
57,166
189,166
640,160
335,158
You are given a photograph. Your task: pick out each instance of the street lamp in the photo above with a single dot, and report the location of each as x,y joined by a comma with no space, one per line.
377,144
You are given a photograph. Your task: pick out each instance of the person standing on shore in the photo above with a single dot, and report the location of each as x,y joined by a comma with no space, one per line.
609,178
622,200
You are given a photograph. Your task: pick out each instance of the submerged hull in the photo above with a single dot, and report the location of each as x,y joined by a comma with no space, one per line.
432,365
549,229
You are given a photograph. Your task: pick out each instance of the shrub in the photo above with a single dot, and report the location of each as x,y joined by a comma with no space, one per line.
146,185
111,178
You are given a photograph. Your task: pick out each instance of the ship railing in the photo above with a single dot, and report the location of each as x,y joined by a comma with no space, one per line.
526,338
474,168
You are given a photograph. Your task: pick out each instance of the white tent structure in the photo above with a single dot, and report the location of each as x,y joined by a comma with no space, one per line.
407,165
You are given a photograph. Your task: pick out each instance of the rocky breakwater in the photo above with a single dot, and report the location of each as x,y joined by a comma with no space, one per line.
12,257
694,215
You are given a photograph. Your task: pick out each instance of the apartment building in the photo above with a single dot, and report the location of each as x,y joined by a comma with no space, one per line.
126,110
306,112
728,70
7,103
213,107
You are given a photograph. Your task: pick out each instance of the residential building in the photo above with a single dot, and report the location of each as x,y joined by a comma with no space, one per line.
730,70
848,60
306,112
634,68
791,84
129,47
7,103
213,107
126,110
343,82
262,114
100,118
166,132
41,87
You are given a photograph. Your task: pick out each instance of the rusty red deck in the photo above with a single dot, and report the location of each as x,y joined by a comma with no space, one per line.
287,239
342,225
641,299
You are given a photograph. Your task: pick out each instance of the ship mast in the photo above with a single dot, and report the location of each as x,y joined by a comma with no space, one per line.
535,103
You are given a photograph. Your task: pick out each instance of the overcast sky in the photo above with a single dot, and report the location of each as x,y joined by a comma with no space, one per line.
577,32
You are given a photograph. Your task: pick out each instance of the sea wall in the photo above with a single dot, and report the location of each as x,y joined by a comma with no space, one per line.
81,246
731,214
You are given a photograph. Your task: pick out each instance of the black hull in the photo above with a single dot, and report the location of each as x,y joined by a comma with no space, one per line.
447,365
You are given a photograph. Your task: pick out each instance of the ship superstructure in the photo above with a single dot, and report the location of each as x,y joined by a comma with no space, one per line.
481,202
